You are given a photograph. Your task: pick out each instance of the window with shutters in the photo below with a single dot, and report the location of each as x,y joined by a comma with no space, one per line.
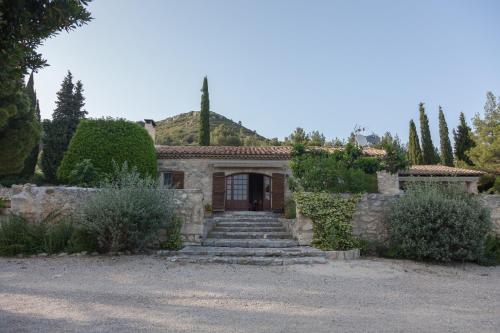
173,179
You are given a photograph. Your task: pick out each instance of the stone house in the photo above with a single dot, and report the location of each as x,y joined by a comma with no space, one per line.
256,178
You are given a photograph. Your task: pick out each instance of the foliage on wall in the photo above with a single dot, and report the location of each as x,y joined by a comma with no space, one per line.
331,216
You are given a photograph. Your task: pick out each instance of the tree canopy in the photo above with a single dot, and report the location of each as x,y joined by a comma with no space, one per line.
446,153
24,25
204,115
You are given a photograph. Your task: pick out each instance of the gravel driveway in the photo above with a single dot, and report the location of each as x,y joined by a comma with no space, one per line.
149,294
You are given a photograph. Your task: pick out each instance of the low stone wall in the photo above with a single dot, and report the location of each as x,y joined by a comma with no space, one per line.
35,203
493,203
189,207
368,219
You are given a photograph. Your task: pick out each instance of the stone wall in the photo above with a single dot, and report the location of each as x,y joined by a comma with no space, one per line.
367,221
493,203
35,203
189,207
388,183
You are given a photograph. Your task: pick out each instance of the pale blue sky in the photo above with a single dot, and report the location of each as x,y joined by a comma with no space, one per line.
276,65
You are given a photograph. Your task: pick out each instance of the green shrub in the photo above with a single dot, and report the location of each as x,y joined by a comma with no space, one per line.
84,174
173,235
103,141
331,216
436,222
317,171
491,251
17,236
57,236
486,182
82,240
373,248
369,165
127,211
290,209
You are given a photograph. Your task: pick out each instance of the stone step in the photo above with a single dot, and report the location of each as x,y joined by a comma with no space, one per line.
261,243
248,229
298,251
245,219
249,235
261,261
246,213
248,224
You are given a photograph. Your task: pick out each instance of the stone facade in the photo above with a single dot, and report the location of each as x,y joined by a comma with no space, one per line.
388,183
189,207
198,172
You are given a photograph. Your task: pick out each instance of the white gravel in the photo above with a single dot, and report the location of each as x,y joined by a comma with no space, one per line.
149,294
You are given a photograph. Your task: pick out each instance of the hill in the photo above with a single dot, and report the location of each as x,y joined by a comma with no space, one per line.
182,129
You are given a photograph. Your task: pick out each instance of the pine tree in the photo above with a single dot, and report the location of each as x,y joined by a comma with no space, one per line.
414,151
429,155
486,153
444,139
58,132
204,115
463,141
24,25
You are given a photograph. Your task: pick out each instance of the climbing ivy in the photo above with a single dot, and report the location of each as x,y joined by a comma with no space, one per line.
331,216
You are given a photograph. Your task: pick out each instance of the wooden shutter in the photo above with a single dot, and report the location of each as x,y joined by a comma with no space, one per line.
178,180
218,191
278,192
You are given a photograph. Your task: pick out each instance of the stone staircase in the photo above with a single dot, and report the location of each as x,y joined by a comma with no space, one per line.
253,238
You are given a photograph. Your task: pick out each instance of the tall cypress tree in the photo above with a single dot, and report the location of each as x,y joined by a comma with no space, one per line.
58,132
414,151
31,161
462,136
444,139
429,155
204,130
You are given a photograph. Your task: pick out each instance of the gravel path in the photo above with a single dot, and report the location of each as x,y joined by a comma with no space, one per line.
149,294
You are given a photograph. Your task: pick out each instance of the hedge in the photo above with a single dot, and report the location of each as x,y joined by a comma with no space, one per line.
103,140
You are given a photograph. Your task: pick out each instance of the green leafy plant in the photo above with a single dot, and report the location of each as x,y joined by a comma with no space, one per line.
316,170
127,212
57,235
331,216
369,165
106,140
82,240
436,222
84,174
491,251
173,236
18,236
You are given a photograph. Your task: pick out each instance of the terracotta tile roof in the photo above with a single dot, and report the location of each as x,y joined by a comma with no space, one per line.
438,170
223,152
228,152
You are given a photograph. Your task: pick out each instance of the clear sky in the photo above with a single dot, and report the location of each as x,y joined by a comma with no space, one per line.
276,65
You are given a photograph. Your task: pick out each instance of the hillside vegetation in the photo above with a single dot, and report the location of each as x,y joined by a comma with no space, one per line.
182,129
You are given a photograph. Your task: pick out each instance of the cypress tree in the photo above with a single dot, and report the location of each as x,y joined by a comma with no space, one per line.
463,141
58,132
429,155
31,161
204,129
444,139
414,151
